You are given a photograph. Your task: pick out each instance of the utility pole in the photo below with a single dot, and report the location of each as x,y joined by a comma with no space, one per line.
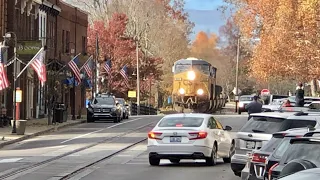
237,74
138,78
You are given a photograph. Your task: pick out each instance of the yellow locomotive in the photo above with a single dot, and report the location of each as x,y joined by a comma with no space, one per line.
194,86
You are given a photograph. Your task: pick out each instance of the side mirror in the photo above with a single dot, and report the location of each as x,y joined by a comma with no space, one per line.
228,128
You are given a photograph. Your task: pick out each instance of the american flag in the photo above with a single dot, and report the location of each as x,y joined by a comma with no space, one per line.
39,67
124,73
4,83
88,67
107,66
75,69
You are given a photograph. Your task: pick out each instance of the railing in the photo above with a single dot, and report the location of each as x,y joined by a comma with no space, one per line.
144,110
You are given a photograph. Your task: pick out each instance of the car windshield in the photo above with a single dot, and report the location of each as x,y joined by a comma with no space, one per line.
271,145
121,101
182,68
302,149
268,125
204,68
282,148
246,98
181,122
106,101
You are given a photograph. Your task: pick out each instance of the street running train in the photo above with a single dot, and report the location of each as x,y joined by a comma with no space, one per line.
194,87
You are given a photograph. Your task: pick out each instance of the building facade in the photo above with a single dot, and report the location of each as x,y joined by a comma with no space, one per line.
41,23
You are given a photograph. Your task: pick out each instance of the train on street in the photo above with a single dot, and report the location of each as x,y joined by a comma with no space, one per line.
195,88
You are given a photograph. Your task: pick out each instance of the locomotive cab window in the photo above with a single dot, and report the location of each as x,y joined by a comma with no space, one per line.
179,68
204,68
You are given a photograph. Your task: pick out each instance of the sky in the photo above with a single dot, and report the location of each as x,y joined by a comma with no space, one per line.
205,15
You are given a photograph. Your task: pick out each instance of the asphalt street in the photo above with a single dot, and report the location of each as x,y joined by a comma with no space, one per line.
55,155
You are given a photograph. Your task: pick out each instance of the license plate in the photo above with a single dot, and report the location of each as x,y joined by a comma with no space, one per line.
175,139
250,144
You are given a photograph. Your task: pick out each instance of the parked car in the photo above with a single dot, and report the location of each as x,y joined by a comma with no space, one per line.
259,129
301,153
124,107
104,107
311,174
243,101
190,136
274,105
270,153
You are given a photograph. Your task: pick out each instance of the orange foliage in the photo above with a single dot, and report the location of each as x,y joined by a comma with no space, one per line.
289,37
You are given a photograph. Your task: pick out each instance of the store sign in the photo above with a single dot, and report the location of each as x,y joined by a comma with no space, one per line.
28,47
132,94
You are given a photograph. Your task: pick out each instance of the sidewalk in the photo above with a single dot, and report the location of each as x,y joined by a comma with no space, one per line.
34,128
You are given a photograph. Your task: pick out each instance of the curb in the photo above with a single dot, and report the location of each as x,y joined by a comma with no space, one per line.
29,136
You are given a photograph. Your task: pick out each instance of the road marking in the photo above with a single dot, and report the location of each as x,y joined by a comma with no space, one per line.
115,125
12,160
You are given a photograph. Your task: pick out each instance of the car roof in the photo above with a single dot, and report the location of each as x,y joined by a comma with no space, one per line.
283,115
189,115
297,131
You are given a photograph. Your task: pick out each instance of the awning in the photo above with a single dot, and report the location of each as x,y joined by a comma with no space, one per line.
48,7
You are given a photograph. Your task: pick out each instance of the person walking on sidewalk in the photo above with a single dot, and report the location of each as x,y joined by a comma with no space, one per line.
254,107
300,95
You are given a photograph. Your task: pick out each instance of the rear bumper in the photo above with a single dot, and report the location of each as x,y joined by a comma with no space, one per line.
179,151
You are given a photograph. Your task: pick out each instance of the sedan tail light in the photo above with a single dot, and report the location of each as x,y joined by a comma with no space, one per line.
256,157
198,135
270,170
154,135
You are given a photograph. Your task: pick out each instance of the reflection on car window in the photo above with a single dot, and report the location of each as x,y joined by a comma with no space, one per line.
302,150
181,122
107,101
268,125
219,126
282,148
271,145
246,99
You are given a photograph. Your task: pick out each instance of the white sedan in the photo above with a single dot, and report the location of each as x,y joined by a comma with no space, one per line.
190,136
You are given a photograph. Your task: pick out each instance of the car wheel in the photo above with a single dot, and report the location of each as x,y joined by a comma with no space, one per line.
212,160
154,161
175,161
239,111
231,153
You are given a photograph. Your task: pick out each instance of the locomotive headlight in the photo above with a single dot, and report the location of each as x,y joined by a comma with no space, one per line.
182,91
200,91
191,75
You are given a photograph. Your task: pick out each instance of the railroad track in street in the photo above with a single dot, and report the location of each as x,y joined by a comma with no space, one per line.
82,169
28,168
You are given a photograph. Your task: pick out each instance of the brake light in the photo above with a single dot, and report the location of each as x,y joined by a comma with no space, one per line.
270,170
198,135
259,158
299,136
179,125
154,135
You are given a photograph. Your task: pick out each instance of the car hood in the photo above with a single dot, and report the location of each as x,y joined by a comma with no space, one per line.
103,106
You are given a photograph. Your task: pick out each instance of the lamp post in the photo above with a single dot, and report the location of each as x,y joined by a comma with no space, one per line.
73,107
8,35
138,79
237,74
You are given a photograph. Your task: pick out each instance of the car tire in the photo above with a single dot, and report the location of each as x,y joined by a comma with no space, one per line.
239,111
231,153
175,161
154,161
212,160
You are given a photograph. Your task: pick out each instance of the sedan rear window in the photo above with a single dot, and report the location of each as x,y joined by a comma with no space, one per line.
181,122
267,125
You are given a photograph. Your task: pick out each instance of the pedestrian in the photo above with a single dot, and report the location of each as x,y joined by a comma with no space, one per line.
254,107
300,95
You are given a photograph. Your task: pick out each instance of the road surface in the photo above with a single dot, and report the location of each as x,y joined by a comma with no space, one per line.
104,150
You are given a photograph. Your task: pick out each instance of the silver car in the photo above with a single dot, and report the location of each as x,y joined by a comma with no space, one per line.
259,129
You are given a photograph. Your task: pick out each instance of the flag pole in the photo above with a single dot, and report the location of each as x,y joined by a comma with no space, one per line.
31,61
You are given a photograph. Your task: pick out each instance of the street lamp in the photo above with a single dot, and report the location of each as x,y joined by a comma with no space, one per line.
8,35
237,74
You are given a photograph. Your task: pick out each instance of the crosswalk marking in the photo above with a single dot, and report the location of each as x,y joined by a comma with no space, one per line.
11,160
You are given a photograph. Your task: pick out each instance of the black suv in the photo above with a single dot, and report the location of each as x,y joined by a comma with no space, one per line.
104,107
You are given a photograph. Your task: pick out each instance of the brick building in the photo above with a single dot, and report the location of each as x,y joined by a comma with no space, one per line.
36,23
